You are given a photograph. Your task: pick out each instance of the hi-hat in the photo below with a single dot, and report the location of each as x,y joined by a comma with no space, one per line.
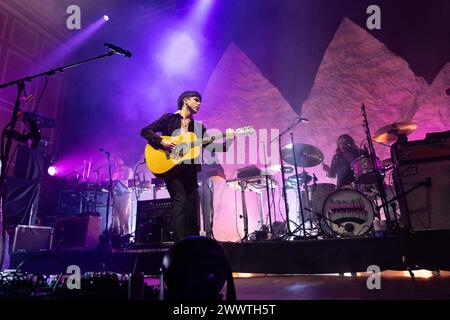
306,155
390,133
302,178
277,168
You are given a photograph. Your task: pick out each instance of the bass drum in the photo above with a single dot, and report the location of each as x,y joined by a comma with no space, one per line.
348,213
319,192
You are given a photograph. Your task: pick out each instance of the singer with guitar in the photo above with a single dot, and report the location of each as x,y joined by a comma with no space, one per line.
180,176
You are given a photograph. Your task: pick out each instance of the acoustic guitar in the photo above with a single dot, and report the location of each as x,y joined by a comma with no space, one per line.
162,162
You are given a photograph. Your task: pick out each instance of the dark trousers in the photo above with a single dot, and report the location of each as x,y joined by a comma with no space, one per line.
183,190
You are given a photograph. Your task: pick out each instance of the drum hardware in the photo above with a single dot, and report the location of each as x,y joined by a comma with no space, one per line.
318,192
385,132
323,219
302,155
303,178
295,122
277,168
267,190
315,226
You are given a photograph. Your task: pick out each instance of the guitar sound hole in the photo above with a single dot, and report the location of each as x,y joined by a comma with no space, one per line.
180,150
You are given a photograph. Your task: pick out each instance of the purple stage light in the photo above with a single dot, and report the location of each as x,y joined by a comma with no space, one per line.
199,14
179,54
52,170
105,17
73,42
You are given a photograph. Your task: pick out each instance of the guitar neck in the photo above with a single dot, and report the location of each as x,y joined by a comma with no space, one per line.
208,140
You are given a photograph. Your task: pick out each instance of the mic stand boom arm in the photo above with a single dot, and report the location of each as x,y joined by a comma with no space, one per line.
6,148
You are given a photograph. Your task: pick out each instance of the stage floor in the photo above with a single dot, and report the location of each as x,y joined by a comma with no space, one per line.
424,250
394,285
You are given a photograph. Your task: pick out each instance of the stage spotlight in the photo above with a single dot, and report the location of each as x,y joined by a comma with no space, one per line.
196,268
105,17
52,170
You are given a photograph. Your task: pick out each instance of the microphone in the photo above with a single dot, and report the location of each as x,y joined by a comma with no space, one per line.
348,145
118,50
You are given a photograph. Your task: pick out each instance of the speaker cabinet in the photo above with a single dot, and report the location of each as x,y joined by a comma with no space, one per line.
32,238
153,221
428,206
77,233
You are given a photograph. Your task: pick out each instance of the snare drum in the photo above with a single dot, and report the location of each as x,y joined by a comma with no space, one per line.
348,213
364,170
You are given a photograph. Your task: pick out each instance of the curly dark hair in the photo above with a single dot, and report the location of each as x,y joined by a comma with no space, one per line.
188,94
347,138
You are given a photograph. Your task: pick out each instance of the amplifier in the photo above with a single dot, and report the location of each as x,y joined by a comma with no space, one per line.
153,221
32,238
434,146
77,233
428,206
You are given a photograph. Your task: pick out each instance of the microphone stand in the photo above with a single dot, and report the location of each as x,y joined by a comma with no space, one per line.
5,153
266,173
379,179
110,194
297,121
298,187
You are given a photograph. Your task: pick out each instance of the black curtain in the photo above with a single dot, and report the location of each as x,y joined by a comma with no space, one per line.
22,196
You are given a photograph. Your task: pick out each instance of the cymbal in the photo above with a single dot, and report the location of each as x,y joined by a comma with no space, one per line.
389,133
305,154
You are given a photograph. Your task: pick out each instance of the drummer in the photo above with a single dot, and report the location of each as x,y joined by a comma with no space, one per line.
340,167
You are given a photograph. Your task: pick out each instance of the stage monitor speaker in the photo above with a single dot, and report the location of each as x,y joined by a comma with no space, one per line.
77,232
428,206
153,221
32,238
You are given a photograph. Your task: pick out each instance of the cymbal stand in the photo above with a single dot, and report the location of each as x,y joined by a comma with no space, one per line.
267,189
110,194
379,178
298,186
308,201
283,178
242,185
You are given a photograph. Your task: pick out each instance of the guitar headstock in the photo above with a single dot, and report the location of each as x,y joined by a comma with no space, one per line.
245,130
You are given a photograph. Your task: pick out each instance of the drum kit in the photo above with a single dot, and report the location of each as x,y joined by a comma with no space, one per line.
350,211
